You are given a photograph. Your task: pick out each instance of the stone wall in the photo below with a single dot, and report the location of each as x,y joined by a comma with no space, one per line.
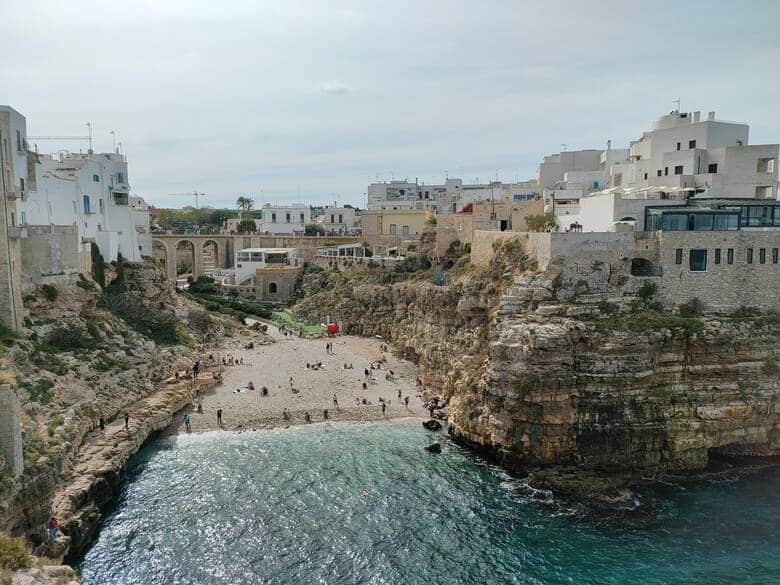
50,253
347,264
275,285
453,227
11,447
722,286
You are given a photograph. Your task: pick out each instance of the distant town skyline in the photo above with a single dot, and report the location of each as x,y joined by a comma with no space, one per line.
312,103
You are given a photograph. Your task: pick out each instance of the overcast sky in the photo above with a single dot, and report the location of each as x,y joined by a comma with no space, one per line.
270,99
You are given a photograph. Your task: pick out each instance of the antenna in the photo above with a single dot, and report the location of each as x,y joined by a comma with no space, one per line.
113,139
89,129
564,147
677,101
194,193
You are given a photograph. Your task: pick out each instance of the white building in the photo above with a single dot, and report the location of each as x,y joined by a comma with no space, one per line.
451,196
248,260
337,220
88,190
278,220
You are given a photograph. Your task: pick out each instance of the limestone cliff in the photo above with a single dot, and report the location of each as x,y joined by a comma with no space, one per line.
571,368
86,353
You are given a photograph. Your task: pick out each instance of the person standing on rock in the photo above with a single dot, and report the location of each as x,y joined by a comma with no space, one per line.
187,422
52,526
127,421
219,417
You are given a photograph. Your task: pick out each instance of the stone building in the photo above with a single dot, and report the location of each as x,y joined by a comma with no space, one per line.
265,274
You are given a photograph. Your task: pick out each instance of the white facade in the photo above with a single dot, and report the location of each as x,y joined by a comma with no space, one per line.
278,220
89,190
449,197
338,220
248,260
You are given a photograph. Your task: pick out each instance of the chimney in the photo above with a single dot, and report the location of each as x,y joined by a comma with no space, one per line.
696,117
609,145
710,115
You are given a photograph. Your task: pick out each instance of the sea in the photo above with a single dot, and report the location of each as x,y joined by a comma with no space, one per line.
350,503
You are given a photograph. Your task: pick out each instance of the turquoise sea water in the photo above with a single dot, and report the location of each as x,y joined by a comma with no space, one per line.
285,506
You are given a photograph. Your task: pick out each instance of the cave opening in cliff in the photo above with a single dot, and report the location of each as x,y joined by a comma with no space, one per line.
642,267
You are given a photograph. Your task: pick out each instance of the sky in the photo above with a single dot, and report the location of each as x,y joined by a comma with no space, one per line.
288,101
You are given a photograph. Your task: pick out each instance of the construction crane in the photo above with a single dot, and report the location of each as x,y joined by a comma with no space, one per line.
194,193
87,138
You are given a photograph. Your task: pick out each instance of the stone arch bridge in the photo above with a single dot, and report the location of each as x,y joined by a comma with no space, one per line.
218,251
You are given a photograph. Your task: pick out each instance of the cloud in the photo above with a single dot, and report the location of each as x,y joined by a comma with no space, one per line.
336,87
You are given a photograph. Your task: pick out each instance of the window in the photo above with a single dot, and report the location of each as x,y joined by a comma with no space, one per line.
762,255
698,260
691,144
645,176
332,218
303,219
678,170
341,218
717,255
272,288
100,205
273,217
749,255
392,229
774,256
95,178
22,218
18,141
85,201
405,230
678,146
712,168
666,171
617,180
678,256
765,165
659,172
21,184
286,218
730,255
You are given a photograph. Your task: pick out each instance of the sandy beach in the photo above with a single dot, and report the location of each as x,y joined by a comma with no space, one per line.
272,365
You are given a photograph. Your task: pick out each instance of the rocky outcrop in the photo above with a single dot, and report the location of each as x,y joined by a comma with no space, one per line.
568,367
86,354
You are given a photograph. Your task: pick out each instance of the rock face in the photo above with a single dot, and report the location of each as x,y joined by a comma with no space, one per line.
550,369
84,355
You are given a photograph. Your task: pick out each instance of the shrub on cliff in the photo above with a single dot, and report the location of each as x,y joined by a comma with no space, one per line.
693,308
13,554
67,339
98,265
49,292
158,324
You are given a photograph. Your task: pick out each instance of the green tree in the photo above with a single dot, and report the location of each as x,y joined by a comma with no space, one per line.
246,226
245,204
542,222
313,229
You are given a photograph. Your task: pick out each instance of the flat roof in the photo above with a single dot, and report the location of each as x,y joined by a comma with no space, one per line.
268,250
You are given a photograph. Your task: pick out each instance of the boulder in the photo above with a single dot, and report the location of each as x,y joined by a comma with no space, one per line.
432,425
434,448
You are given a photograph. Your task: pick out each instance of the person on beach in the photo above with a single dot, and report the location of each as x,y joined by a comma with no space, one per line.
102,423
365,372
399,394
335,401
127,421
291,383
406,401
430,408
52,525
219,417
264,390
307,417
200,408
384,406
187,422
251,385
325,414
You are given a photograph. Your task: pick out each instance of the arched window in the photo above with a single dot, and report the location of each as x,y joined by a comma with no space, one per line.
272,288
641,267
